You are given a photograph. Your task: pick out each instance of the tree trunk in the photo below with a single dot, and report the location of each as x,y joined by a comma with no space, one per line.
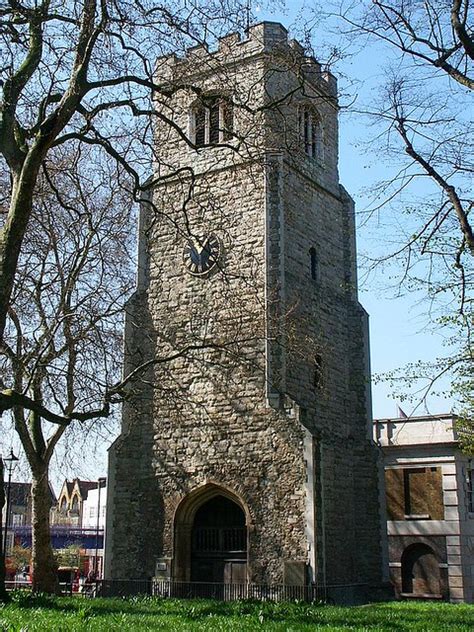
3,592
14,229
44,567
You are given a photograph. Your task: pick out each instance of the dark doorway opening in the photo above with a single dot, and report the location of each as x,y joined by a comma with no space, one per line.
219,542
420,572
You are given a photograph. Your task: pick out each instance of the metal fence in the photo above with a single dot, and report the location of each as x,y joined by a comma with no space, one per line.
343,593
207,590
65,588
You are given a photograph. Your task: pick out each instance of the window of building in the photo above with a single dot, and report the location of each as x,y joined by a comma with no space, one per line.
318,370
75,505
212,121
470,491
313,263
91,512
63,507
311,133
414,493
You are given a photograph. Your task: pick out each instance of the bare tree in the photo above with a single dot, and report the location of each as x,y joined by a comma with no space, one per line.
63,337
84,72
421,126
3,592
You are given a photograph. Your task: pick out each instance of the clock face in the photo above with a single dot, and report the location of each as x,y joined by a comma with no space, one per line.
201,254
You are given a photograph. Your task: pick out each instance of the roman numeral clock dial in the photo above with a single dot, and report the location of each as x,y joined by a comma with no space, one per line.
201,255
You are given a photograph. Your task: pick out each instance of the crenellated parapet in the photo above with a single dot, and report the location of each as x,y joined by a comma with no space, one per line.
266,38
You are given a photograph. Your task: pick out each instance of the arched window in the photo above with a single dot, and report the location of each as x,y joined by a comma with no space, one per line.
63,506
212,121
311,133
75,505
313,261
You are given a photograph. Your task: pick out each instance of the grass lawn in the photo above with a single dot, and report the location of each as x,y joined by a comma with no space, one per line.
33,613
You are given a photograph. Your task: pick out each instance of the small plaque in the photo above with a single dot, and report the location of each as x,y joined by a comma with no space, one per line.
163,568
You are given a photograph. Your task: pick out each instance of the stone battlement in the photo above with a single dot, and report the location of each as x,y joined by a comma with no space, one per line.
262,38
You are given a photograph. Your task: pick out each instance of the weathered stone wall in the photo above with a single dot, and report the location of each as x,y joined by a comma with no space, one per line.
243,411
210,418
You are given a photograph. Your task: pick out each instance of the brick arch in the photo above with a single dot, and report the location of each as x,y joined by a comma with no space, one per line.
420,570
183,522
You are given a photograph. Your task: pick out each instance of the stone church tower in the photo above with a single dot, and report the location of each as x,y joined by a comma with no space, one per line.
245,453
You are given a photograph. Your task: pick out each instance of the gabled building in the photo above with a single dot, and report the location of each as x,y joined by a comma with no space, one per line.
69,509
430,507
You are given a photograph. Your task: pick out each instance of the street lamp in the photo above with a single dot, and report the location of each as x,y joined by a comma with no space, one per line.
100,483
9,463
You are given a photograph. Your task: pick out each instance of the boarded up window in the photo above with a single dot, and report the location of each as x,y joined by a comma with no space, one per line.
414,493
394,494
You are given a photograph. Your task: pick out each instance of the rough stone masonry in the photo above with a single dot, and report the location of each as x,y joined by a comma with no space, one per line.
245,452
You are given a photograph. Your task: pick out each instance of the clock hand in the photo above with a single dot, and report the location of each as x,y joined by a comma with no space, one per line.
204,245
196,244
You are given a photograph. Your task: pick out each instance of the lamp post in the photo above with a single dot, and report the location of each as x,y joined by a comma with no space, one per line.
100,482
9,461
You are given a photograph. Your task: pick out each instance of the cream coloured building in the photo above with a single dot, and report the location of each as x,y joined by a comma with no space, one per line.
430,507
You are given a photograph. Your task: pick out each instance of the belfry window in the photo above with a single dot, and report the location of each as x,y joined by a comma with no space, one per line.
311,133
212,121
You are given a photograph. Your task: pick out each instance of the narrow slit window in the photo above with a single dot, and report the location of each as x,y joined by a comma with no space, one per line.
313,263
318,370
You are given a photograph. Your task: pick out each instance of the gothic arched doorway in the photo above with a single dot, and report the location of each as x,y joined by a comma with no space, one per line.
219,542
211,537
420,571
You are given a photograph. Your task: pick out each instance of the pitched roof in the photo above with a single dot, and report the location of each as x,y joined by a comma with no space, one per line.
20,493
84,487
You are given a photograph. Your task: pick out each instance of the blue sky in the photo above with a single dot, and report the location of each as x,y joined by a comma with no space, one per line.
399,331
